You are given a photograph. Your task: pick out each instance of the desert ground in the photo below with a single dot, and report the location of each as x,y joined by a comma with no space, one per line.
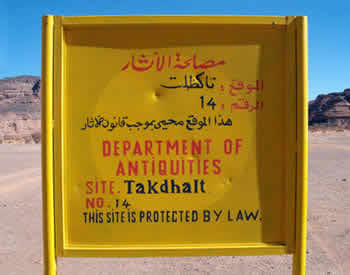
328,249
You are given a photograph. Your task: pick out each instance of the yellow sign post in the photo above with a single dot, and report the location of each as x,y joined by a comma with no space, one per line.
174,136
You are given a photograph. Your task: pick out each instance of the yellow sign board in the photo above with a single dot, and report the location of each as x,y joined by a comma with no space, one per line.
176,135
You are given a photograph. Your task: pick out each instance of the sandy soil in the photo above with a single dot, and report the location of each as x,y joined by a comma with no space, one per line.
328,222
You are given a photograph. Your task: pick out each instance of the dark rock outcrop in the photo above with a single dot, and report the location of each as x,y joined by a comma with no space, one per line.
331,110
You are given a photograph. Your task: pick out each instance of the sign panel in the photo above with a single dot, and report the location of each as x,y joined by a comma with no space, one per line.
175,136
164,148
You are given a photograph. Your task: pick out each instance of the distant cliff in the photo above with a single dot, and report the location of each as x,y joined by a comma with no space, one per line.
20,109
330,111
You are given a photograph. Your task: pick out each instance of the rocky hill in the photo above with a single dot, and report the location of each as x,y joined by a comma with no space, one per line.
20,109
331,111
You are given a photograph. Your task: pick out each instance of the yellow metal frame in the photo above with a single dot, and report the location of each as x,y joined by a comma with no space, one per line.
299,259
53,52
47,146
173,19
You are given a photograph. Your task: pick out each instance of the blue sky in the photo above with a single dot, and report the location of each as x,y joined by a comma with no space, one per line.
329,34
